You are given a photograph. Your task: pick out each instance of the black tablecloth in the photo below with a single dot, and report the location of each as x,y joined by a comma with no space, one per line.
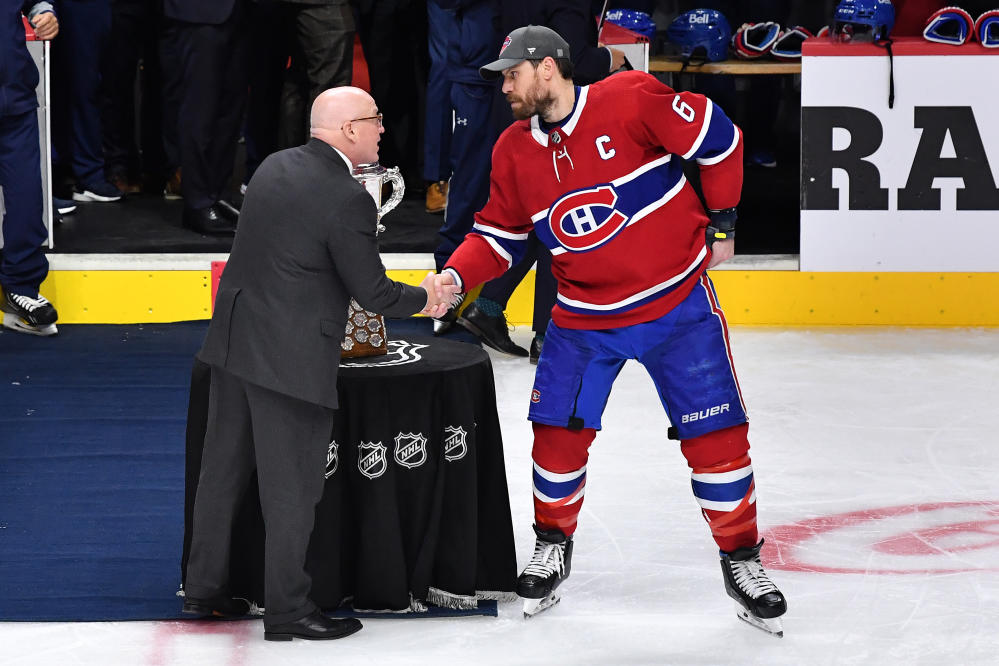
416,502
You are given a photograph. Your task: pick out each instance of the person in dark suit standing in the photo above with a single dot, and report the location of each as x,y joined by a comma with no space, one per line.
205,72
305,245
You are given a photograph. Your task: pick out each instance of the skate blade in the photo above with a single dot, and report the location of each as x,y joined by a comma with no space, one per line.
772,626
534,606
15,323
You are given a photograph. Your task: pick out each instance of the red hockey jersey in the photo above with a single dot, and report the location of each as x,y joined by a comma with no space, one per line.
605,192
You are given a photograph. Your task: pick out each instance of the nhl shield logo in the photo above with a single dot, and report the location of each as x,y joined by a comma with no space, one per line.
371,460
455,447
410,449
332,459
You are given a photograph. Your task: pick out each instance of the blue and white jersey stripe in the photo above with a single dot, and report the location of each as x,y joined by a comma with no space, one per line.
723,491
718,138
508,245
635,300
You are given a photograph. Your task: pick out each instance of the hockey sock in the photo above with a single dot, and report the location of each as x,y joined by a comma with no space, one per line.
560,458
722,480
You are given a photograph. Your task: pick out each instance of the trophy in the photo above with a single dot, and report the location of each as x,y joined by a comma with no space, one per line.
365,333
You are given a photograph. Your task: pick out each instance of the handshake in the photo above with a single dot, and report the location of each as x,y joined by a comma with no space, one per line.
441,292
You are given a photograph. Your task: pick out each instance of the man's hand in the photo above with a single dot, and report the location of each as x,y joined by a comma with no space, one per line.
441,289
617,59
721,250
46,26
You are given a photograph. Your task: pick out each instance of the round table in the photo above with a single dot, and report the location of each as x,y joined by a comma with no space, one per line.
415,505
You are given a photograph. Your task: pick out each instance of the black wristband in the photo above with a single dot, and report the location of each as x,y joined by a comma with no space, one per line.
721,225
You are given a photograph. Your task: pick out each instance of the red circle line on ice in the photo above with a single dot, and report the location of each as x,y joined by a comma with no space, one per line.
956,542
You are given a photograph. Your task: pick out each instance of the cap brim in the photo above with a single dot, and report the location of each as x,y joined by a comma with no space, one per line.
494,70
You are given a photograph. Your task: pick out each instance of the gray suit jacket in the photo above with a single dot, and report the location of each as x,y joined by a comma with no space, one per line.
305,244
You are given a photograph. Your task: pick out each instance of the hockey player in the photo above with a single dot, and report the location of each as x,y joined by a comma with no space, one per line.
596,172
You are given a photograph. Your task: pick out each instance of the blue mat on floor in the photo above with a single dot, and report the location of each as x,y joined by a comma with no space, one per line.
92,471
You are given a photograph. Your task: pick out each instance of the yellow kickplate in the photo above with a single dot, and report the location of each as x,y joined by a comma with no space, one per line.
779,298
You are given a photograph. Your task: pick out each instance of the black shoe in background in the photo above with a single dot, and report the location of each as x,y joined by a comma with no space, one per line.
536,344
208,221
215,607
227,210
312,627
491,330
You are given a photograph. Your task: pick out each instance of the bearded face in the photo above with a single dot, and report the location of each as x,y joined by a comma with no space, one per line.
528,96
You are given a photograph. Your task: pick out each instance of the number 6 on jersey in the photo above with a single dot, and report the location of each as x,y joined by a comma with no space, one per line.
683,109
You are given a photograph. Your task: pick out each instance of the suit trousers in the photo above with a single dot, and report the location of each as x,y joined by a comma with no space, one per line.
23,265
205,71
133,39
76,73
285,440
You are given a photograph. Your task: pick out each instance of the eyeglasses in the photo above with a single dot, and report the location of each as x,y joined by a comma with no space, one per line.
378,118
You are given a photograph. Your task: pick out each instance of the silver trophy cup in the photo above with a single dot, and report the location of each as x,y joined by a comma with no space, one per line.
365,333
374,176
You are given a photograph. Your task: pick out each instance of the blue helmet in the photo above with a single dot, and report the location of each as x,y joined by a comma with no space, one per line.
701,32
633,20
863,20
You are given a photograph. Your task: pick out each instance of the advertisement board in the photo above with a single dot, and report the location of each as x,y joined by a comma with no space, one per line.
906,188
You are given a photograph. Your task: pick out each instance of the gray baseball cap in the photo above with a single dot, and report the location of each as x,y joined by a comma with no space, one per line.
532,42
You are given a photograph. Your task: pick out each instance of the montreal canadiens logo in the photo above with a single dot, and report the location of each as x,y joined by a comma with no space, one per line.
506,43
586,219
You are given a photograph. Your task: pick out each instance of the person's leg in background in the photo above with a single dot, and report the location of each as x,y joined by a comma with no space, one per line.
268,57
23,265
233,58
119,67
154,166
393,35
213,75
441,27
325,33
76,106
171,59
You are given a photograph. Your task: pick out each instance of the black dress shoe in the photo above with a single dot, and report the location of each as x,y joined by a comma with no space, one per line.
215,607
491,330
208,221
312,627
227,210
536,345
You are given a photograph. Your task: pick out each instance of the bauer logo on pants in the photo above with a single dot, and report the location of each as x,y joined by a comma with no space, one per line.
410,449
455,446
371,460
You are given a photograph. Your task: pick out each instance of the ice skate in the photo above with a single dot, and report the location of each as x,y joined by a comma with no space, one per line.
758,601
34,316
549,566
447,320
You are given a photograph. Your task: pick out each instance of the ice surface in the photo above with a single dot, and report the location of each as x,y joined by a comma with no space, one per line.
878,489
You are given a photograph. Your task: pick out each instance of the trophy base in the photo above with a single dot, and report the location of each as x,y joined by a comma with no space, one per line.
364,334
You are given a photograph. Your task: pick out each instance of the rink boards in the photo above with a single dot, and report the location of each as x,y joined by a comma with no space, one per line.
754,290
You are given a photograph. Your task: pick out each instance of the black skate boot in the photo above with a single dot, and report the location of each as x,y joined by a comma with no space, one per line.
447,320
549,566
759,602
24,314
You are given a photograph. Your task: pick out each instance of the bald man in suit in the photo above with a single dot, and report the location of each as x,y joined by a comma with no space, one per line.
274,348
